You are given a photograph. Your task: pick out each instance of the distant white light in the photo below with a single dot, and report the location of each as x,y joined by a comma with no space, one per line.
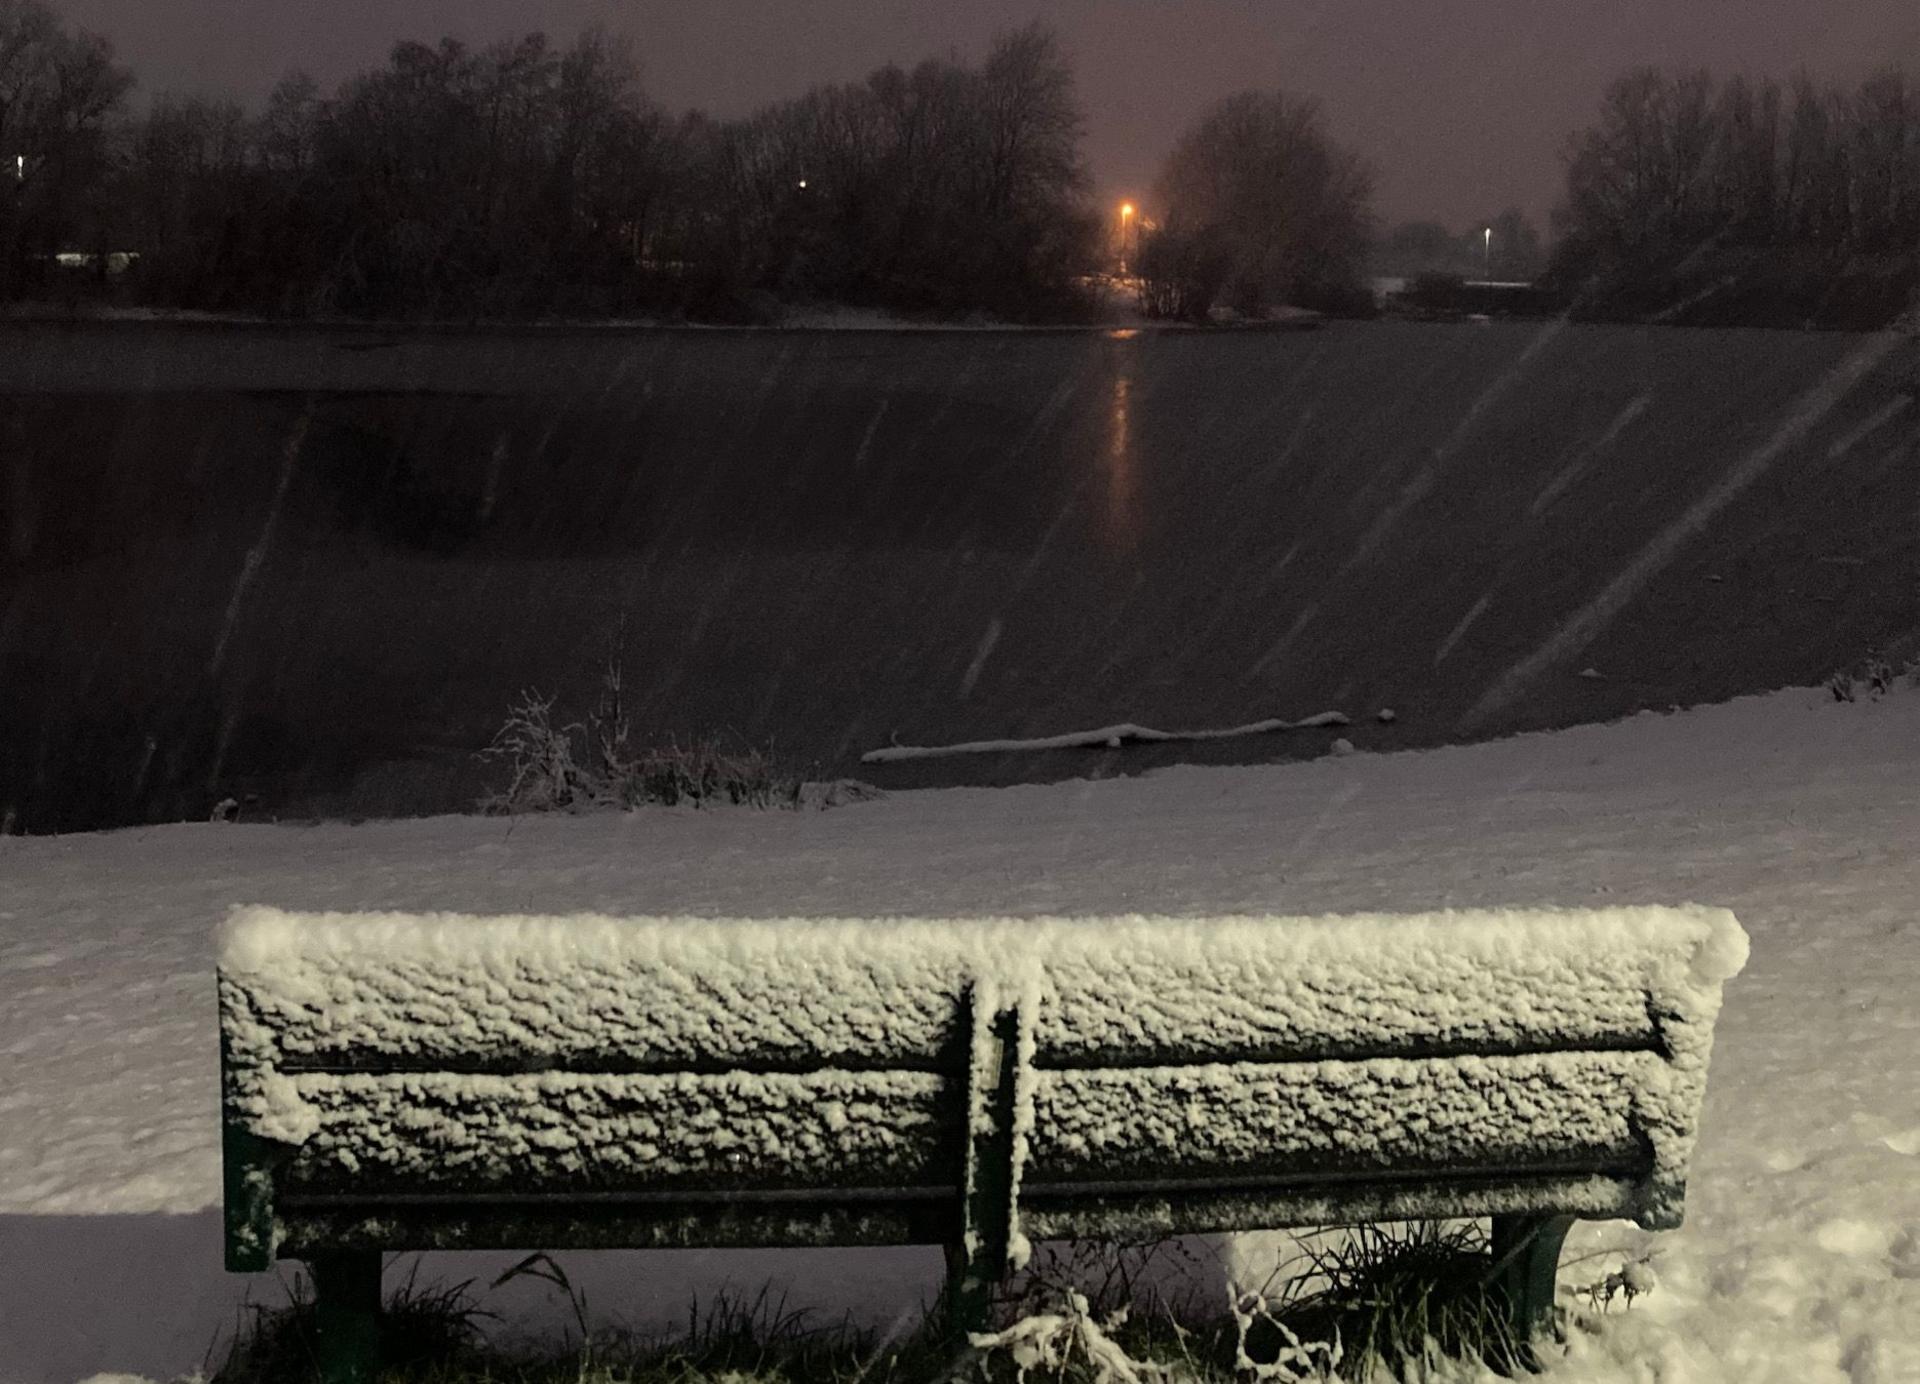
20,167
803,184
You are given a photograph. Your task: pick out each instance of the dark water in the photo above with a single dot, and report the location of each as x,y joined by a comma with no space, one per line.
312,569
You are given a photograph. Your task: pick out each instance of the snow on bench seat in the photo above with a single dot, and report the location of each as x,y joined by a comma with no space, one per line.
587,1132
1451,1063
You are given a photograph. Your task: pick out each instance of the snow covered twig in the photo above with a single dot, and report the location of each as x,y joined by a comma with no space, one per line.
1050,1341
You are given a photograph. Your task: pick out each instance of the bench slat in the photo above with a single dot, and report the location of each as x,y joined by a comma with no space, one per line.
713,1225
1548,1109
570,1131
1595,1196
438,992
1047,1214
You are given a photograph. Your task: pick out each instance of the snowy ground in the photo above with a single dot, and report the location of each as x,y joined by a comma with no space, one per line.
1801,1257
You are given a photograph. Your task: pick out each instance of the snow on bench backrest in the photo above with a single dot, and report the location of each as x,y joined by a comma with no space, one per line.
441,1050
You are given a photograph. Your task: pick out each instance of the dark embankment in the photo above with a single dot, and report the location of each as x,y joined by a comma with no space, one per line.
311,569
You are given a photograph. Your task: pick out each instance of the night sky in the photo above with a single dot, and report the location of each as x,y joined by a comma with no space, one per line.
1462,105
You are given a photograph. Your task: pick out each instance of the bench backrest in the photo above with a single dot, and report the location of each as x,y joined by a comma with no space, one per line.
1069,1075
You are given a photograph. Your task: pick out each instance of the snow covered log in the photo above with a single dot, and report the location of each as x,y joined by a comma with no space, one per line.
420,1081
1112,737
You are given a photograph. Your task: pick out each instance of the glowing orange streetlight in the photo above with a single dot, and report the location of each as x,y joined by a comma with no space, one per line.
1126,224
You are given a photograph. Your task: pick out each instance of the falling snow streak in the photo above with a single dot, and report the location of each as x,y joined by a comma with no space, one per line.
1254,514
1122,528
1498,390
1284,642
1281,460
21,516
496,468
250,568
1459,631
1692,300
866,438
1875,421
1050,413
1236,604
980,656
1072,500
1583,456
1423,482
1806,413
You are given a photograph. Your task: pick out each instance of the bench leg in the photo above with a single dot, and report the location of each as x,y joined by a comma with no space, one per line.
969,1293
346,1300
978,1260
1526,1260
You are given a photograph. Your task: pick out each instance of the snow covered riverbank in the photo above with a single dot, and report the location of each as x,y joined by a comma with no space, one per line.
1800,1260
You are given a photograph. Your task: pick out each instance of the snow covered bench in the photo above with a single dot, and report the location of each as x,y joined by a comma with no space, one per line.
399,1082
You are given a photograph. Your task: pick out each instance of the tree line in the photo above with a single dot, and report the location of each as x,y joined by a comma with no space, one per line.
1742,200
523,178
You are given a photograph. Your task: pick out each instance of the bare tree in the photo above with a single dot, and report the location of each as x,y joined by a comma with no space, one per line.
1260,172
1883,164
522,178
1796,204
58,89
1745,177
1031,124
289,126
1638,180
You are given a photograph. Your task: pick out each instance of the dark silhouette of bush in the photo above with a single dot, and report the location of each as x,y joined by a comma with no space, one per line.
1182,272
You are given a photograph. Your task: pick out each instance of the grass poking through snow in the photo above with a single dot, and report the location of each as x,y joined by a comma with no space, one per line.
1380,1305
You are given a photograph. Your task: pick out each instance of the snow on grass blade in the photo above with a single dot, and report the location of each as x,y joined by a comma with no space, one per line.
1111,736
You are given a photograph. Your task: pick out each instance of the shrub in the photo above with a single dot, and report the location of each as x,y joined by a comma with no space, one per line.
1383,1302
1398,1298
1182,273
546,775
1872,677
576,766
